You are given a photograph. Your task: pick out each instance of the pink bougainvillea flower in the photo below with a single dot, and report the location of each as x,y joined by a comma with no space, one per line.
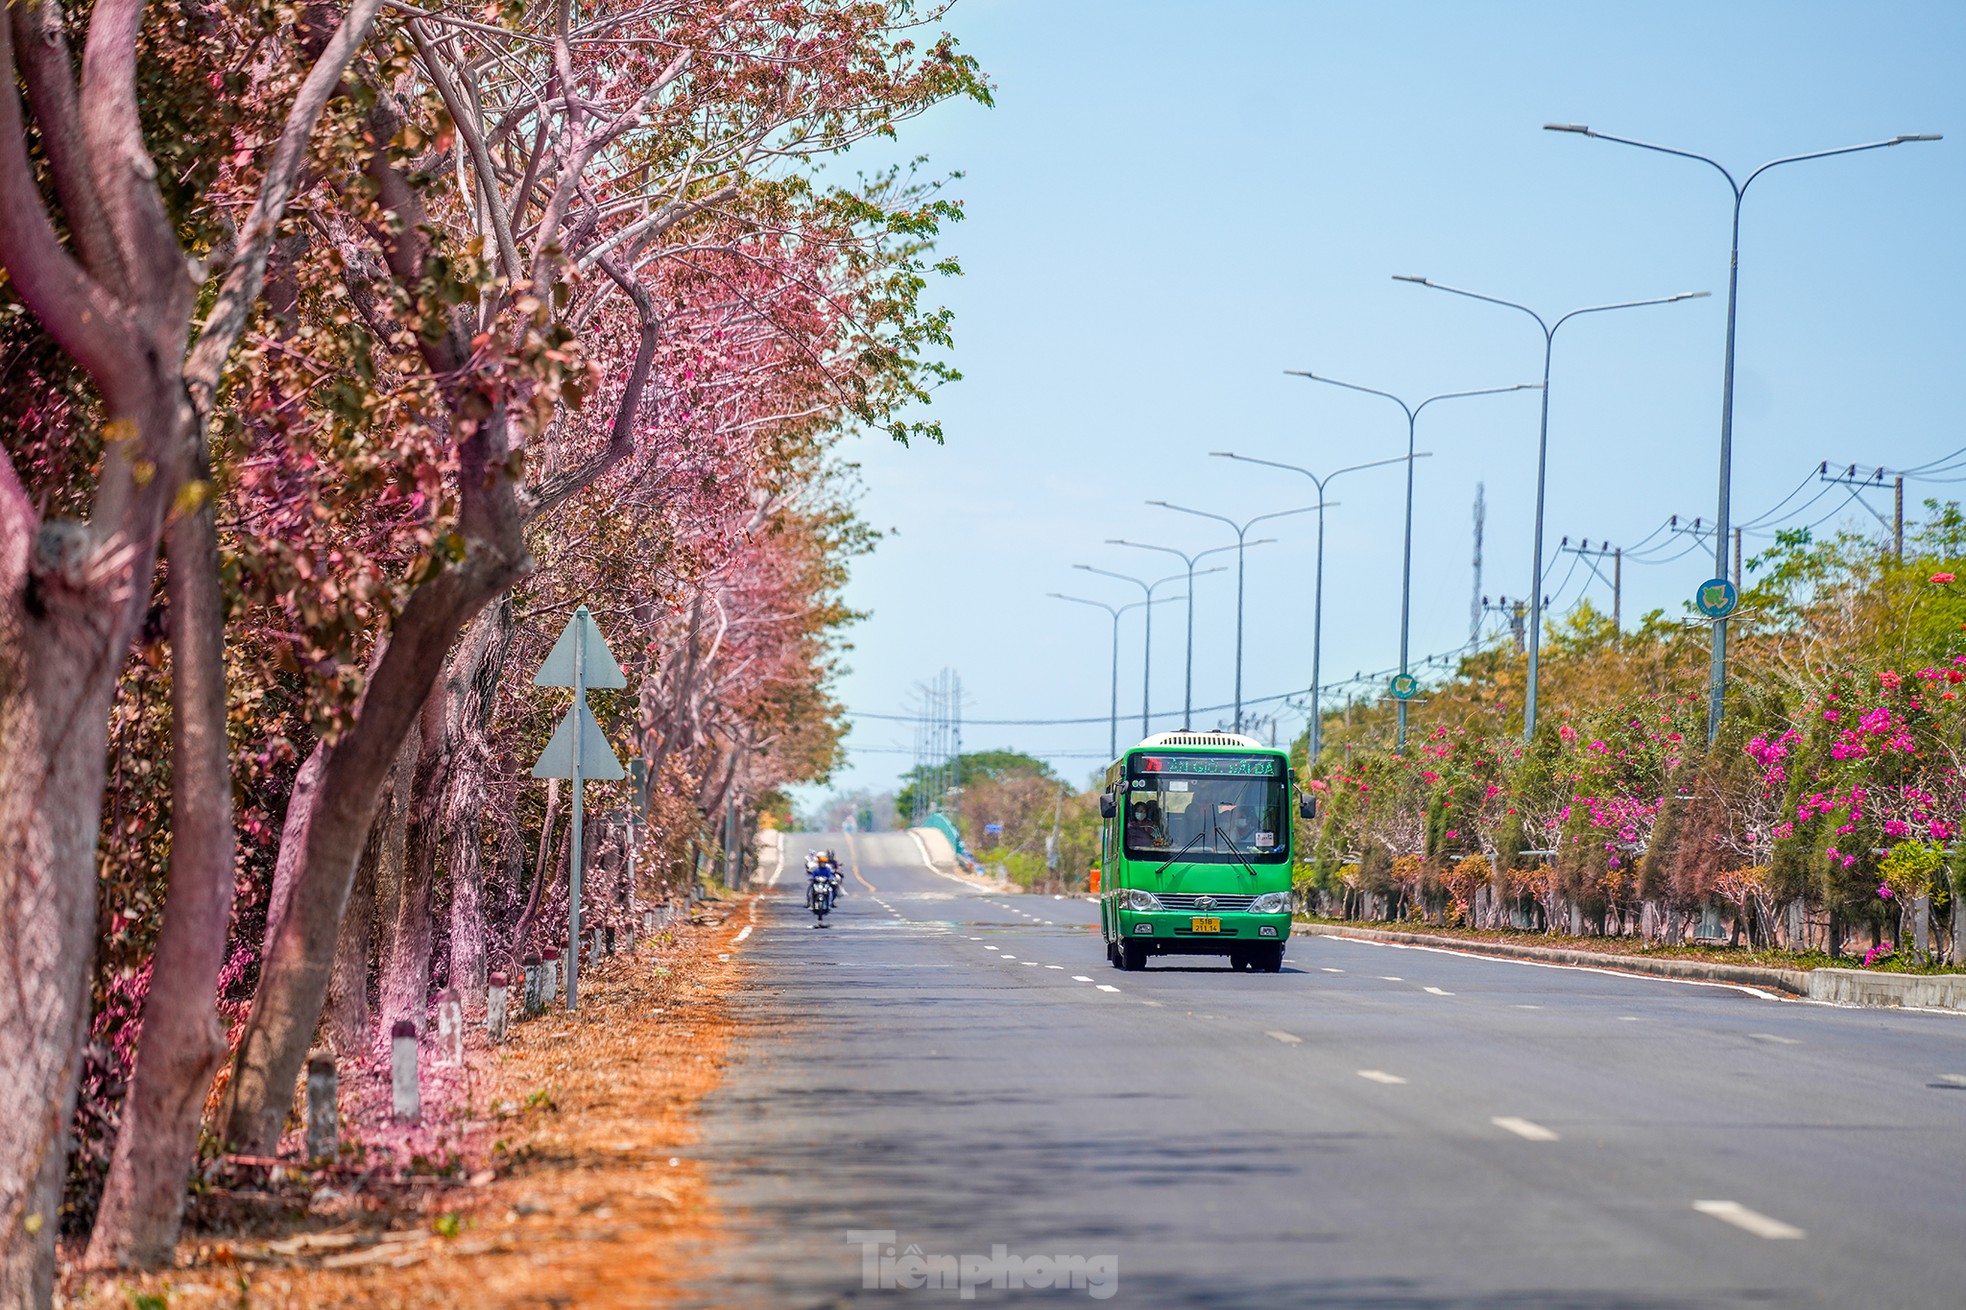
1884,890
1942,578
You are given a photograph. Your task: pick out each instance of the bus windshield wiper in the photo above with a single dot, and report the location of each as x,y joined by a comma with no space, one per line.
1223,836
1183,851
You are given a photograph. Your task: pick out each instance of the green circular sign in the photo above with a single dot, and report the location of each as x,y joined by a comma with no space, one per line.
1716,598
1404,685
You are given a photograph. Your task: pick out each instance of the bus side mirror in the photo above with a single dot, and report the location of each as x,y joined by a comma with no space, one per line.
1108,807
1306,805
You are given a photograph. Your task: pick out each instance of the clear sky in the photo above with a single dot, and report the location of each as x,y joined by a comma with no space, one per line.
1172,204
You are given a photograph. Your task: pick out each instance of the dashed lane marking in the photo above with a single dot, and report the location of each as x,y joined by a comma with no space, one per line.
1381,1076
1329,969
1776,1038
1107,987
1386,977
1079,977
1523,1128
1753,1221
1436,991
1288,1039
1054,966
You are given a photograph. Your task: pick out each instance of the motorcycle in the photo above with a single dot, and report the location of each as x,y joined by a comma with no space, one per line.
822,892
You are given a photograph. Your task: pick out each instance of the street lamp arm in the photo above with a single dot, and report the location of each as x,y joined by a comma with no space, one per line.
1841,150
1198,513
1181,555
1286,513
1124,577
1476,295
1320,481
1647,145
1629,304
1351,386
1485,391
1097,604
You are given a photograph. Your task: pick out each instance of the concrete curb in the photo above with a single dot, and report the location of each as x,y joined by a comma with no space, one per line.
1922,991
1792,982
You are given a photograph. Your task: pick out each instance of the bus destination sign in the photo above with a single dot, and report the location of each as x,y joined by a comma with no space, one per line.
1212,766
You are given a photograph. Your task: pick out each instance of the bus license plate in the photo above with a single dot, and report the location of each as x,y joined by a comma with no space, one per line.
1204,925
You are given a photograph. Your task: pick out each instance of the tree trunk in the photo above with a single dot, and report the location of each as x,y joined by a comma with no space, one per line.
182,1042
474,689
348,1019
405,976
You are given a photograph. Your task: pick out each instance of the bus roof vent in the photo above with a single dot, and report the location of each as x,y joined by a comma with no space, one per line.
1231,739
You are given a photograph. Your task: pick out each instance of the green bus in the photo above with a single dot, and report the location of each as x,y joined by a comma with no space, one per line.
1196,842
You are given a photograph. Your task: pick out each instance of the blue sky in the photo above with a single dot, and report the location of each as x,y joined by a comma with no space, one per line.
1172,204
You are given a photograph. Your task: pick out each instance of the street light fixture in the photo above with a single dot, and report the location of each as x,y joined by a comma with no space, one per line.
1242,534
1317,593
1188,692
1542,454
1113,737
1717,684
1412,413
1147,654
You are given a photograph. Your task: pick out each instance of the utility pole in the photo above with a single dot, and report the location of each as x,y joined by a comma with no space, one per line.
1590,555
1737,561
1898,518
1512,611
1474,615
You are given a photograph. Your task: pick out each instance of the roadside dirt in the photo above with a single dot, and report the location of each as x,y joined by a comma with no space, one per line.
587,1195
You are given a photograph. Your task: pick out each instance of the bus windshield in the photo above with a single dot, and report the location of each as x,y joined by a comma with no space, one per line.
1209,809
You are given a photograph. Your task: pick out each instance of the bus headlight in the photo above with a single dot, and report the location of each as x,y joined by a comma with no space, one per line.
1135,899
1270,903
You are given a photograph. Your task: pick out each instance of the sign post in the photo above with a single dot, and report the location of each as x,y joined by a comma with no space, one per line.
580,659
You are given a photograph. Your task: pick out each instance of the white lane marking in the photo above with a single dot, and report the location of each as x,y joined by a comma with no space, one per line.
1057,898
1437,991
1586,968
1380,1076
1158,1005
1107,987
1522,1128
1776,1038
1528,1007
1753,1221
1007,957
993,948
1288,1039
976,939
1956,1079
1329,969
1386,977
1054,966
1028,964
1079,977
742,933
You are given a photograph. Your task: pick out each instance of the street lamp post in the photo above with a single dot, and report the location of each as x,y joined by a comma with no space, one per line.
1188,692
1242,542
1542,456
1147,654
1717,678
1412,413
1317,590
1113,736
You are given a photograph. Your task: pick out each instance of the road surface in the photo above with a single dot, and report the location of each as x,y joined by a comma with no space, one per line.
1374,1128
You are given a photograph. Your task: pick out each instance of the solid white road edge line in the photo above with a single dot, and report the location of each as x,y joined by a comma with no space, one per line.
1523,1128
742,933
1753,1221
1761,993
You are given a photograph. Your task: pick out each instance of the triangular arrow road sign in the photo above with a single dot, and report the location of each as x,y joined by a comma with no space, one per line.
601,673
597,761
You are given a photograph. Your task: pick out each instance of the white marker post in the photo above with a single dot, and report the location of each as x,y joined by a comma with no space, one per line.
579,659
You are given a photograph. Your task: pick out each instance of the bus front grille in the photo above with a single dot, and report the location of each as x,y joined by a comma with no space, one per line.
1190,903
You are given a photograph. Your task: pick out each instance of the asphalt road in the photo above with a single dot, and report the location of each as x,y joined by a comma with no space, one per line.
1375,1127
